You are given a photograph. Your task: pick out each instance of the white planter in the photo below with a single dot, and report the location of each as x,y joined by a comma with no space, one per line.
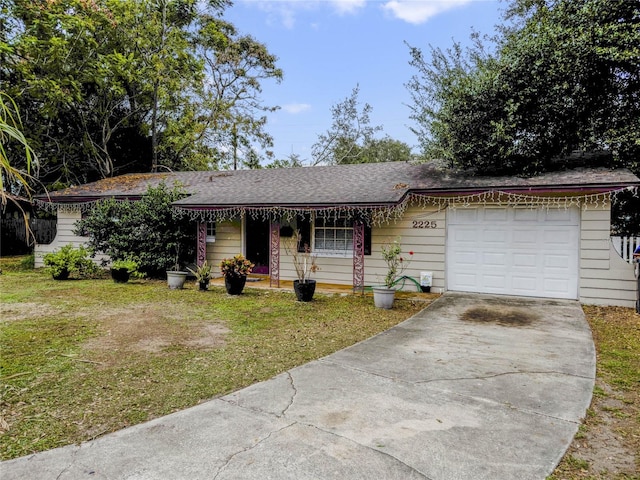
383,297
176,280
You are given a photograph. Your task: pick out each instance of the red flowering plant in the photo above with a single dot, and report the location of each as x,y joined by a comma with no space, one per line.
396,263
238,266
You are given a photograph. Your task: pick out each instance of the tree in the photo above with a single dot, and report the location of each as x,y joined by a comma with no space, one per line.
109,87
235,65
564,76
291,161
350,129
384,149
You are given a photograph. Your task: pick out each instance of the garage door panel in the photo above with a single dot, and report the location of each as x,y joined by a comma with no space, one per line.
466,281
525,260
494,281
493,237
525,215
466,235
556,285
463,215
557,261
561,215
467,259
525,285
517,251
525,238
495,215
494,259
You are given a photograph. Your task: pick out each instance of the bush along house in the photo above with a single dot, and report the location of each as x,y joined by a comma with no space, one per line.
543,236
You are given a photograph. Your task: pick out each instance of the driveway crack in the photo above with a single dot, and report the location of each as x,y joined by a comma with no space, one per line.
293,396
248,449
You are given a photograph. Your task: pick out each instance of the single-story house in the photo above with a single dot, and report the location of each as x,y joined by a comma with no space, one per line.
544,236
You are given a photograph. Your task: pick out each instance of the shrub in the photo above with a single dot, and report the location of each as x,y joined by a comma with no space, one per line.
148,229
61,263
130,265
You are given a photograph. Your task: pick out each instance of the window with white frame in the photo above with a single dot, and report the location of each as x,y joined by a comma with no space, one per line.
211,232
333,235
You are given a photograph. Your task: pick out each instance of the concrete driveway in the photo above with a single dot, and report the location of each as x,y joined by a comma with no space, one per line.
473,387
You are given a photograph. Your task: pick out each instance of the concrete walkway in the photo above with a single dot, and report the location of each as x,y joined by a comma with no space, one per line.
473,387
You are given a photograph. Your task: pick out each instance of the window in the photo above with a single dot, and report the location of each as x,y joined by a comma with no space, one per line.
211,232
333,236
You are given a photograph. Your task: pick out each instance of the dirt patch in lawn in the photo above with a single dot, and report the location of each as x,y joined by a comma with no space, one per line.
26,311
153,328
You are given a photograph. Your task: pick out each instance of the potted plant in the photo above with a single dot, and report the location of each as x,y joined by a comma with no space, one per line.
61,263
203,275
122,270
383,296
304,263
235,271
176,277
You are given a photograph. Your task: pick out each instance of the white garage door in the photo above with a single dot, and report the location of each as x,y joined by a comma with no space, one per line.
513,251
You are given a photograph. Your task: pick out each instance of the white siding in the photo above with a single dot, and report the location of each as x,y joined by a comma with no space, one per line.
427,244
228,243
605,278
66,224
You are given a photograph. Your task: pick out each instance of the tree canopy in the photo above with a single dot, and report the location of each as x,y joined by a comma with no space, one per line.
562,76
351,137
107,87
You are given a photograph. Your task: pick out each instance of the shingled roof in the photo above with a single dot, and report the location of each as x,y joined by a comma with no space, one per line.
359,184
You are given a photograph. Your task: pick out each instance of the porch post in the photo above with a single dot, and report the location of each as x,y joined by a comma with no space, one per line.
274,254
201,247
358,256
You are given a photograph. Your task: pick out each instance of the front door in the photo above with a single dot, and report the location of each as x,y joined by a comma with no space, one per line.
257,244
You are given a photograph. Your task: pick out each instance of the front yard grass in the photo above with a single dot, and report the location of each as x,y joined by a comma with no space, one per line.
607,445
81,358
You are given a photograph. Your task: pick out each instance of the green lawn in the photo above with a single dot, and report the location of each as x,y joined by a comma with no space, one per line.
81,358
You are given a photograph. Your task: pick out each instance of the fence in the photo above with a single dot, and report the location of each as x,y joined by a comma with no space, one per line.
16,239
625,246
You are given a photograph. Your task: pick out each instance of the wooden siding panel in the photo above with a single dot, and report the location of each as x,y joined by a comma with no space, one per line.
228,243
605,278
64,236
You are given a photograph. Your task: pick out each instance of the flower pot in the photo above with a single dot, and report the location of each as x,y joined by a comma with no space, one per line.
383,297
304,291
63,275
120,275
235,284
203,285
176,280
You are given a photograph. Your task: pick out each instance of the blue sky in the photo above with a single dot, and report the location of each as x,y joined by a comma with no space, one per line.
327,47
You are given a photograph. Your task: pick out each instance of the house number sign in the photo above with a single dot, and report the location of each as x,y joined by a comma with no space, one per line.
425,224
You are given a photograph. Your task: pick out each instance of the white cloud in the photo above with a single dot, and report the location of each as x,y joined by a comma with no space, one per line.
348,6
285,12
295,108
419,11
